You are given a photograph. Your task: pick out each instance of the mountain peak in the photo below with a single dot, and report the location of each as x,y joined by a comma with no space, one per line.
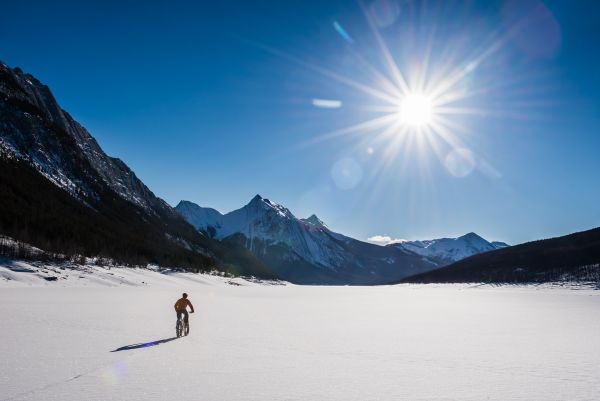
185,203
199,217
259,202
259,205
471,236
314,220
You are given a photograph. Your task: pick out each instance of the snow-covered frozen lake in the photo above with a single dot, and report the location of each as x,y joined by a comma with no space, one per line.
270,342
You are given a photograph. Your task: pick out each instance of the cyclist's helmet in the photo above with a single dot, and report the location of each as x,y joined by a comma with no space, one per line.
184,295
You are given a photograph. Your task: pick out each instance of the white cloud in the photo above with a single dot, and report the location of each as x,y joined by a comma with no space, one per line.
384,239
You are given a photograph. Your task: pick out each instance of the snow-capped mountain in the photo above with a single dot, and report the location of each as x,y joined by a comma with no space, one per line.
448,250
302,250
263,220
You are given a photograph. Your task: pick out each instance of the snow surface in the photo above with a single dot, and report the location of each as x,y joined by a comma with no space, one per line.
253,341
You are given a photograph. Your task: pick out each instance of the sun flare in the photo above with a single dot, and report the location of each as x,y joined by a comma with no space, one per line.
416,110
419,98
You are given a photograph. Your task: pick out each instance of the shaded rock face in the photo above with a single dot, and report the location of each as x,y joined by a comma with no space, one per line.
34,128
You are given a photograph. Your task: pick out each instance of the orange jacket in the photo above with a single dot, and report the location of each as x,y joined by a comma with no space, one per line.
182,304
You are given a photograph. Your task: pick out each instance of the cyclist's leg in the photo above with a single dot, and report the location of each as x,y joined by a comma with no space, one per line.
179,324
179,313
185,317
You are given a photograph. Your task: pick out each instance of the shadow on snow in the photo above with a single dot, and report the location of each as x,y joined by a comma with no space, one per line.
144,345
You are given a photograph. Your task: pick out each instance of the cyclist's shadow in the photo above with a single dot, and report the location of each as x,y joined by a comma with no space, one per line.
144,345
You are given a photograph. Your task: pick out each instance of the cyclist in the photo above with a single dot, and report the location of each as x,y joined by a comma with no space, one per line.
181,308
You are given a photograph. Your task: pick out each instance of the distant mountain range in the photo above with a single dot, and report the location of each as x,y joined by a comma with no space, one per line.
448,250
573,257
305,250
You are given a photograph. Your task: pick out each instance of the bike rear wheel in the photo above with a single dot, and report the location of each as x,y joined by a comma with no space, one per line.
179,328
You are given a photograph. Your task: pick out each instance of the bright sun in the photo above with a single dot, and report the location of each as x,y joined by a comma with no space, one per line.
416,110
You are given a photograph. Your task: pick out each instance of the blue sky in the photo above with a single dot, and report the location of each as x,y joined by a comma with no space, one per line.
215,103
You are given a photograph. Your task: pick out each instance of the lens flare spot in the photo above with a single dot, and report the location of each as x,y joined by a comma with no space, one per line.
342,32
114,373
346,173
460,162
385,12
532,27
